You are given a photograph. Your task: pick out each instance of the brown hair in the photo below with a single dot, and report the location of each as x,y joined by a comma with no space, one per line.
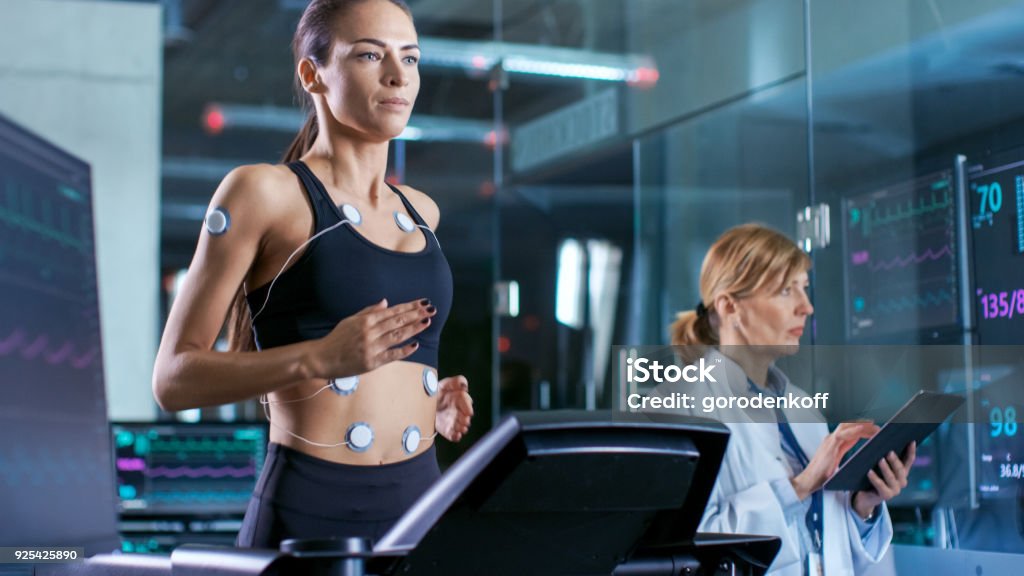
313,39
745,260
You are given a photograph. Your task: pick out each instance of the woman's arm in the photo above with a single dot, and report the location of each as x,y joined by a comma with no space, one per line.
189,374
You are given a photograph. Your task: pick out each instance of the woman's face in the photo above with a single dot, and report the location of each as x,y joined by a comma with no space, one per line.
372,76
775,318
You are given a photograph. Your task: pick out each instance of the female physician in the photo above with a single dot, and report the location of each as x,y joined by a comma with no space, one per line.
752,311
338,291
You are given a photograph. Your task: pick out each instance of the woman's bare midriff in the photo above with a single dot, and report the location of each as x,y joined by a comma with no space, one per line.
389,399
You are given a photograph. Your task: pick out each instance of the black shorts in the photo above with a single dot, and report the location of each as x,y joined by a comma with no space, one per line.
301,496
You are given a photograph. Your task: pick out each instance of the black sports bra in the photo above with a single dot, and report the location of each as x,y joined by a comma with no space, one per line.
341,272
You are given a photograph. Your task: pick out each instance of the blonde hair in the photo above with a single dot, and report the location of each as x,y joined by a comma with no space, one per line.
745,260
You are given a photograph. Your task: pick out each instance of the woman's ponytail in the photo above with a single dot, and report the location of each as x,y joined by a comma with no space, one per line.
692,333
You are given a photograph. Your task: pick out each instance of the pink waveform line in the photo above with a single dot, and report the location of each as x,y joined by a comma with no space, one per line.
17,339
201,472
860,257
61,355
11,342
35,348
131,464
84,360
904,262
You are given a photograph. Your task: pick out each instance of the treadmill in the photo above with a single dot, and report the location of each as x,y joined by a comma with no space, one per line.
553,492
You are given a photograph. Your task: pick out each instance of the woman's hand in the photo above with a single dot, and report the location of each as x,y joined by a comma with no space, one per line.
454,408
369,339
829,455
887,486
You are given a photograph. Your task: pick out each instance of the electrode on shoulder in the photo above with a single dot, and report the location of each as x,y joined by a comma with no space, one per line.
352,214
218,221
404,222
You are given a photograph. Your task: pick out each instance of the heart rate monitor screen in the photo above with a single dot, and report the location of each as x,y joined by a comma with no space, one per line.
187,469
996,198
900,260
56,477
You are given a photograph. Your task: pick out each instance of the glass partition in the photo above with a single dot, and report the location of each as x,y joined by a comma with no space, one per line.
886,138
917,135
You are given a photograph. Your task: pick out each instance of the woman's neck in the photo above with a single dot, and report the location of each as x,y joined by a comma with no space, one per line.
352,166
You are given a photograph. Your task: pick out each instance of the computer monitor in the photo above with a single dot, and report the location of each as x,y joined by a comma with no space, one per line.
56,474
900,263
996,376
995,189
996,197
179,469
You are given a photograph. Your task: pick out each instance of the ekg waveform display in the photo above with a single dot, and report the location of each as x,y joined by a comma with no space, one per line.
996,197
187,469
900,260
56,477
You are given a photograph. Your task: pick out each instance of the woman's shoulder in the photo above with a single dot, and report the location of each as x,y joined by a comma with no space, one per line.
258,190
423,204
253,197
257,179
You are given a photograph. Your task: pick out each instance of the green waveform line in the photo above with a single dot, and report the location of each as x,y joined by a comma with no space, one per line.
33,226
204,445
12,215
249,434
906,211
905,302
71,193
200,496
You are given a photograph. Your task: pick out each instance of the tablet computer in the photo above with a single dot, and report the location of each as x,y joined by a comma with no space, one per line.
913,423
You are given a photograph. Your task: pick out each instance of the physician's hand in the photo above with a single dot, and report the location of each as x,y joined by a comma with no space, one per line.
829,455
887,486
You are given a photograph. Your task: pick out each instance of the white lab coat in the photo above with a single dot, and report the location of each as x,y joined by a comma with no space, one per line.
753,495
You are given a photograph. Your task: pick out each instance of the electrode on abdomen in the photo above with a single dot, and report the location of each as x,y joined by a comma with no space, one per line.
429,381
344,386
